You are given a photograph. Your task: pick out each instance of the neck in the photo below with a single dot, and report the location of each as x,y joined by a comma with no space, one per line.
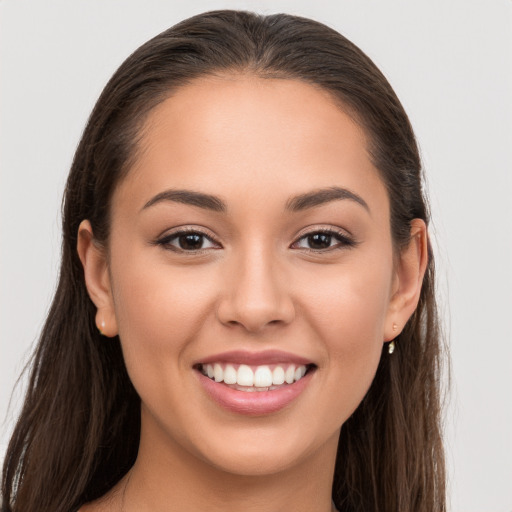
166,477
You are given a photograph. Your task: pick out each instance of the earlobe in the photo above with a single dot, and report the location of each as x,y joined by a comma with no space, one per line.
97,279
411,267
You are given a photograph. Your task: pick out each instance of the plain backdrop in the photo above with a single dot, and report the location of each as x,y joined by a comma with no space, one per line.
450,62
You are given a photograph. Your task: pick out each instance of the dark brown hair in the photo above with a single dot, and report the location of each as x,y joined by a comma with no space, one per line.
78,432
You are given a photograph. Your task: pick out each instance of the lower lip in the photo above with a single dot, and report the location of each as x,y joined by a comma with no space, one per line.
255,402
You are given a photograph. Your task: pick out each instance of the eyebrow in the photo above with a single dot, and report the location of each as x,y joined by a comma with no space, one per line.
294,204
206,201
322,196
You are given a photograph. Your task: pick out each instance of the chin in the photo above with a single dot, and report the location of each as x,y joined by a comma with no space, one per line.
266,449
256,462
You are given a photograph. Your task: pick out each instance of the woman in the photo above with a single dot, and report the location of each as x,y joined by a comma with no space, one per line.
246,301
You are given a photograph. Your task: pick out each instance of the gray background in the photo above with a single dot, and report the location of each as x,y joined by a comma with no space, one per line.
449,62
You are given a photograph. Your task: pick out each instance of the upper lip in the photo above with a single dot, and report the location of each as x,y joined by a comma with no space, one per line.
255,358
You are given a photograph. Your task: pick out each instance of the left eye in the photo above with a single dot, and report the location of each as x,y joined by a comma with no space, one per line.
187,241
322,240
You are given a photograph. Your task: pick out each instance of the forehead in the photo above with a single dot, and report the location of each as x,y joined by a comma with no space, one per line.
248,133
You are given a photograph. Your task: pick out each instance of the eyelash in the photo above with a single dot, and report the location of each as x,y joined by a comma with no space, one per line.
344,241
166,240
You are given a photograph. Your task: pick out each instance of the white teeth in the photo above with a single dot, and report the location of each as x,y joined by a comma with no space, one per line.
278,376
230,375
259,378
218,374
263,377
290,374
245,376
299,372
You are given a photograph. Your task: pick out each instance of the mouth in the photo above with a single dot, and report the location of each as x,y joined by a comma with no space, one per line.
254,384
255,378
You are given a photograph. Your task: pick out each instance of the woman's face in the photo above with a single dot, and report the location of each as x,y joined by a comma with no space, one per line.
250,240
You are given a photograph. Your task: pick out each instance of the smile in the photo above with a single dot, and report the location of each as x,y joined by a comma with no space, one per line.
254,383
243,377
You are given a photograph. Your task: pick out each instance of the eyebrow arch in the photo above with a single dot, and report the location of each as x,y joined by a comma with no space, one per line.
322,196
294,204
206,201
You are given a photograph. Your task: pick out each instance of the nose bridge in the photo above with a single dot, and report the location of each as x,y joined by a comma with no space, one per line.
256,293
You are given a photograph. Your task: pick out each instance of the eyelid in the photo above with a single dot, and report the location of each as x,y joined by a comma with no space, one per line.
346,240
165,238
323,228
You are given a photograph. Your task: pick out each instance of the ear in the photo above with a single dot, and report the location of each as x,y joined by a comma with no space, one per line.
408,280
97,279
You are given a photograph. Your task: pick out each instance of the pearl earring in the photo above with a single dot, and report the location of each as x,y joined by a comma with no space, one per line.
391,346
102,328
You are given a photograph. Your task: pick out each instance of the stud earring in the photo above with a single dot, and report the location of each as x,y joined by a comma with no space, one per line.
102,328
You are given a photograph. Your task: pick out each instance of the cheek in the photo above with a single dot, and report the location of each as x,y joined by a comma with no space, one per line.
348,304
347,310
159,309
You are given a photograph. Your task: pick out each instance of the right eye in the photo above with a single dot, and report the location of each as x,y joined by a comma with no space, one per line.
191,241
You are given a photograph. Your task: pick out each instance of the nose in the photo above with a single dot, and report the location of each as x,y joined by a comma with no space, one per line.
256,294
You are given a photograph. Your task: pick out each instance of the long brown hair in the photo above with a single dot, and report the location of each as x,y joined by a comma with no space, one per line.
79,428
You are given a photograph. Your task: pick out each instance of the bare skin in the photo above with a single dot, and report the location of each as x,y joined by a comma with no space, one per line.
257,280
